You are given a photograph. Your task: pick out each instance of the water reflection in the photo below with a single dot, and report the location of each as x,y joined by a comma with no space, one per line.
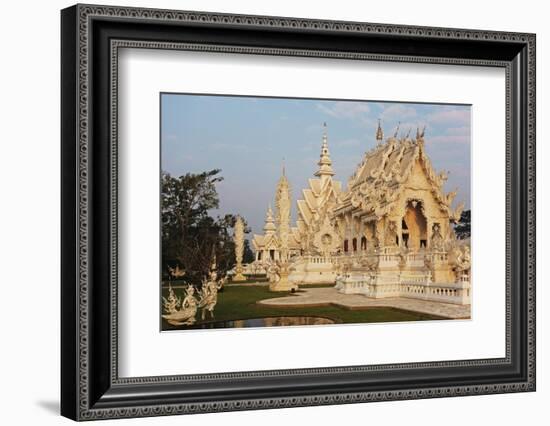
266,322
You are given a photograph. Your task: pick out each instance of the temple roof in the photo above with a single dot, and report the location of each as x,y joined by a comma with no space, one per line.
380,177
261,242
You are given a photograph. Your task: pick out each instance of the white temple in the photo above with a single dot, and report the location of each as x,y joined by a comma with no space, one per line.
388,234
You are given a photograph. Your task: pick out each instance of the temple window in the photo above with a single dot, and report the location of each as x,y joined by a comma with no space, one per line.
272,254
346,248
363,243
259,255
354,243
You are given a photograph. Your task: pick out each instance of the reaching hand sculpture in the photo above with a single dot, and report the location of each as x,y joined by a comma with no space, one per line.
186,314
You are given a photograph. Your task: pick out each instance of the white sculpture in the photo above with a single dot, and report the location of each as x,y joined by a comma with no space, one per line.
186,314
272,271
280,268
283,202
437,241
175,273
238,237
172,303
462,258
209,295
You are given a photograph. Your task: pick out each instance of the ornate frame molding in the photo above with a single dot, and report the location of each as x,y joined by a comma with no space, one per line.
91,388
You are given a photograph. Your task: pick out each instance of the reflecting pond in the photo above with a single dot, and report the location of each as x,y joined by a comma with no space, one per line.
266,322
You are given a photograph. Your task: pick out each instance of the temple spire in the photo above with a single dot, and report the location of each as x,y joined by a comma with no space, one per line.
269,227
325,163
379,133
283,204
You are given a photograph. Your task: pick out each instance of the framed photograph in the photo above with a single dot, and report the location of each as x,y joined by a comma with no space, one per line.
263,212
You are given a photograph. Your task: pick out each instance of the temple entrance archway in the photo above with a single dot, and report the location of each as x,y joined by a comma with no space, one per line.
414,226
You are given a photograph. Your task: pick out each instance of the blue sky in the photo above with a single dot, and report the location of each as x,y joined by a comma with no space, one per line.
248,138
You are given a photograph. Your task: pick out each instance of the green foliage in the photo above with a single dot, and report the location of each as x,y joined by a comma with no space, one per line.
463,226
248,254
190,236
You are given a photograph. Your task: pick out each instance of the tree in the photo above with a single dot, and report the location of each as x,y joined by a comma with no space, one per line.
248,255
190,236
462,228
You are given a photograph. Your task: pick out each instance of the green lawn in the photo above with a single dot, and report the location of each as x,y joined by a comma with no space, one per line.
239,302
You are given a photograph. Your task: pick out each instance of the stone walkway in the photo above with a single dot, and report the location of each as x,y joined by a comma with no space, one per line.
330,296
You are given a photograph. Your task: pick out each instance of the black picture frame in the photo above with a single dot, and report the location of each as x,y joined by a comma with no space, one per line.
90,386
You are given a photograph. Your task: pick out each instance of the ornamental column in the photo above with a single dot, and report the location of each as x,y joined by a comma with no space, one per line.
238,238
283,203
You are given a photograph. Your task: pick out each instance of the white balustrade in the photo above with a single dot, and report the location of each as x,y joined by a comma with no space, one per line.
414,286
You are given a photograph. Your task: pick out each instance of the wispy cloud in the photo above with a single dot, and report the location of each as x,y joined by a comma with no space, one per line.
228,146
397,112
449,139
459,131
452,135
450,117
345,142
343,109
